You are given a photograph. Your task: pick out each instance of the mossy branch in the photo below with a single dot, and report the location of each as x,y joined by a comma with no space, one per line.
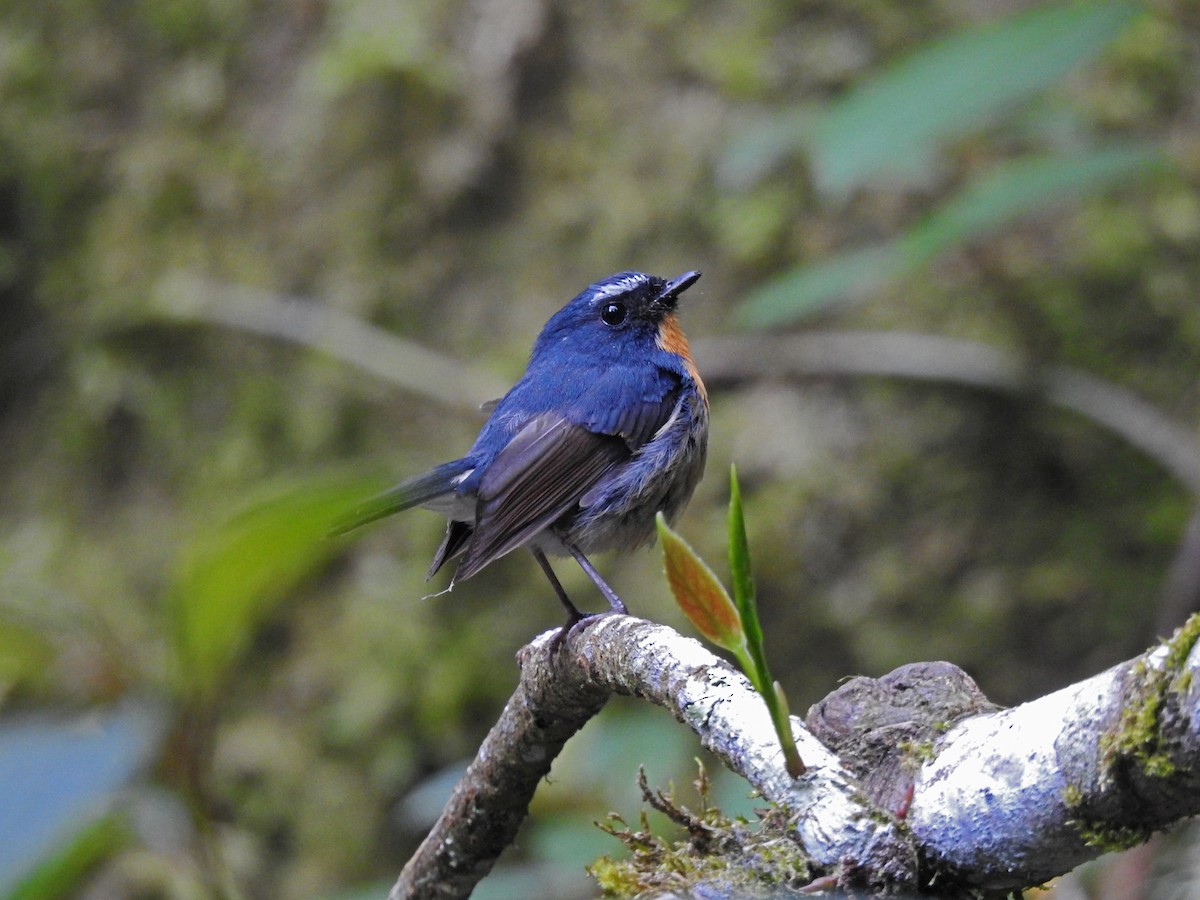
1055,782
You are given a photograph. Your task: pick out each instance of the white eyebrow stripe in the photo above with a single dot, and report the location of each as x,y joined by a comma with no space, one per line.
619,287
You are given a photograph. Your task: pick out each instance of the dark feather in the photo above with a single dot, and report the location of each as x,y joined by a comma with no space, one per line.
535,480
457,535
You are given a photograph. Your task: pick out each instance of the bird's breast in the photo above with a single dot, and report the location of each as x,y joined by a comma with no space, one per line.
672,339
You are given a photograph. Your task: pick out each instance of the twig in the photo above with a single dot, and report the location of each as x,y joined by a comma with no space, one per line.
310,324
725,360
932,358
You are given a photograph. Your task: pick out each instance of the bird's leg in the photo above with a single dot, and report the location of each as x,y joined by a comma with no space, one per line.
609,594
574,616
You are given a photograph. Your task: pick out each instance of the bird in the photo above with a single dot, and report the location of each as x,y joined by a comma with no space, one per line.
607,427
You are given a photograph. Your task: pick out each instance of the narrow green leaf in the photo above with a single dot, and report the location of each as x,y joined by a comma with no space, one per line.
891,126
809,289
1023,187
743,589
756,666
1010,192
739,569
63,874
698,591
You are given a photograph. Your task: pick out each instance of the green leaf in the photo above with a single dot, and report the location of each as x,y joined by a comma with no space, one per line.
698,592
235,573
63,874
732,624
892,126
743,579
56,778
809,289
747,606
1010,192
1023,187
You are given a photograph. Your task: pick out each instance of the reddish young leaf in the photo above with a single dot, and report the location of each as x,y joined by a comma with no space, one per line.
698,592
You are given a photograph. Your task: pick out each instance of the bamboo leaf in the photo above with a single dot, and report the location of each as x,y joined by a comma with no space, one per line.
891,127
1022,188
808,289
1007,194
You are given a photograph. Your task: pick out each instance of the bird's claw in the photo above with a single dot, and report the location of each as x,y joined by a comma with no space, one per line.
577,623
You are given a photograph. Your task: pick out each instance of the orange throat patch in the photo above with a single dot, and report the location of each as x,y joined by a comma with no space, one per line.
672,339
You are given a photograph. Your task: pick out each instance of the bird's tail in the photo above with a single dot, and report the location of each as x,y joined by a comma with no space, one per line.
417,490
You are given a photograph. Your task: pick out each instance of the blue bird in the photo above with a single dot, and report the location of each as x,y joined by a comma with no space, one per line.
608,426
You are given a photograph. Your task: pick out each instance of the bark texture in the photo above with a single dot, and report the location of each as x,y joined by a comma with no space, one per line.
916,782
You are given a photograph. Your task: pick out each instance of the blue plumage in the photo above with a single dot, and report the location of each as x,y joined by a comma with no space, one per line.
608,425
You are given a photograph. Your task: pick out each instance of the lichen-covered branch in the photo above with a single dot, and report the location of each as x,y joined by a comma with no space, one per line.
928,785
562,686
1019,796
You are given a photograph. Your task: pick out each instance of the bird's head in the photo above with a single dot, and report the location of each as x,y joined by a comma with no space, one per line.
619,312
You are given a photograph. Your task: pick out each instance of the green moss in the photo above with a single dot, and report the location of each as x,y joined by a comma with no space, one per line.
1181,643
1138,733
1110,839
737,857
1072,796
917,751
746,860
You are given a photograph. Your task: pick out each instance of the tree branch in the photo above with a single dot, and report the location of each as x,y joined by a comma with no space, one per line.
1014,798
1000,800
345,337
724,361
561,690
552,702
928,357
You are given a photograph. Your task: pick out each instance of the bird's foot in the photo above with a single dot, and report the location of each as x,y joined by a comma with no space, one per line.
577,622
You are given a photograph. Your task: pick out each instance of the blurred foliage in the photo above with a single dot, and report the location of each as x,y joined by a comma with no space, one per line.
452,172
57,779
232,576
1010,191
890,128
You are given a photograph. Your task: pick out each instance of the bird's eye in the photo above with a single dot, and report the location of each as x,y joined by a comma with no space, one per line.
614,313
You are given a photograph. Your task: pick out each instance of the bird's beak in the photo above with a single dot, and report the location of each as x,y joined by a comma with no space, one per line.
675,287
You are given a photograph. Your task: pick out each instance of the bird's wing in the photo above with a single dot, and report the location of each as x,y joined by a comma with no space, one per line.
437,481
538,477
635,423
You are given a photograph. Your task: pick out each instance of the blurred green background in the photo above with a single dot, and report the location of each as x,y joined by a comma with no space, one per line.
257,259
